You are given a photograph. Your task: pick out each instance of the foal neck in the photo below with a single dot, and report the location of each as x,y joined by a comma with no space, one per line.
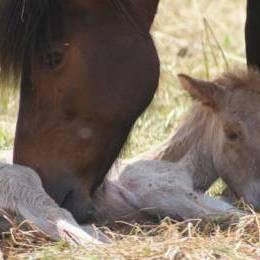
193,146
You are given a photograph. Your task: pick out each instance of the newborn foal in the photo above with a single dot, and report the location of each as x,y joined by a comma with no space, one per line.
220,138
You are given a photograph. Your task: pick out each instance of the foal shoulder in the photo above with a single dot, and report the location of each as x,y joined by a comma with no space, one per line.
145,175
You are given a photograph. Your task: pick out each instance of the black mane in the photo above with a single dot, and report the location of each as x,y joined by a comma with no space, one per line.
30,26
25,26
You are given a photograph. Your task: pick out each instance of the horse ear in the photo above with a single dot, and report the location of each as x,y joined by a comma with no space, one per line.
147,10
205,91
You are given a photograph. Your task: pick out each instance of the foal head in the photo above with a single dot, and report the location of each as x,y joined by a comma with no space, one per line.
234,104
88,70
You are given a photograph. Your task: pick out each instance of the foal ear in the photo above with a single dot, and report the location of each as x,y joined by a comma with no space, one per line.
205,91
147,10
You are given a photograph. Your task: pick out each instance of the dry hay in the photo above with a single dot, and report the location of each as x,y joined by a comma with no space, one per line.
193,239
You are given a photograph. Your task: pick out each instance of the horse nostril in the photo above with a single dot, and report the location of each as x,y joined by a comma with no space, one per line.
80,205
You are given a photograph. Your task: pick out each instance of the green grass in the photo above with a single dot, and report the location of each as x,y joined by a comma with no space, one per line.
201,38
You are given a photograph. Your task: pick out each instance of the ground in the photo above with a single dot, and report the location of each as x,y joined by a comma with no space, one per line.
201,38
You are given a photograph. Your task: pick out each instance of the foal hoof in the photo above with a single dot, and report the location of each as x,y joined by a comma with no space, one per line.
95,232
87,236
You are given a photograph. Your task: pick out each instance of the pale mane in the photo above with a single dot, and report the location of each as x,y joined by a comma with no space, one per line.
198,129
201,125
243,79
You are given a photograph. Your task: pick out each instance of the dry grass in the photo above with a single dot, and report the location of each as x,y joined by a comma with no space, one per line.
201,38
191,36
169,240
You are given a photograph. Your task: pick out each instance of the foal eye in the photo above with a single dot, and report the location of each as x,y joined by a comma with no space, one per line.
232,133
232,136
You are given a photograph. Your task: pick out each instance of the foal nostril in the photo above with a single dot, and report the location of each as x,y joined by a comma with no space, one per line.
80,205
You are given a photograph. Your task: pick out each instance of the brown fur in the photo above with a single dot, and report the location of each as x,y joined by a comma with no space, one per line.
88,70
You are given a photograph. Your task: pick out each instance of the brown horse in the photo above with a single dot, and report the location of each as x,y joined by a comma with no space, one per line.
88,69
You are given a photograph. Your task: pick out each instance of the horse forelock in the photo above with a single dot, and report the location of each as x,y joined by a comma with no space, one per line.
25,25
29,25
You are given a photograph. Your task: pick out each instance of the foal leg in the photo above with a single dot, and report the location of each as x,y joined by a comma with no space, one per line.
22,193
178,201
166,189
252,33
184,203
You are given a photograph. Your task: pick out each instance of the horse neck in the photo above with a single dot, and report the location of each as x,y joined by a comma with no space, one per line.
193,146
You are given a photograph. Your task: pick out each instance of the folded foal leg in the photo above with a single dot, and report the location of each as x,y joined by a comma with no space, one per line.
139,190
22,193
184,203
166,189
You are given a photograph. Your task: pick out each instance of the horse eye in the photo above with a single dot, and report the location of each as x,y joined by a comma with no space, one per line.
53,59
